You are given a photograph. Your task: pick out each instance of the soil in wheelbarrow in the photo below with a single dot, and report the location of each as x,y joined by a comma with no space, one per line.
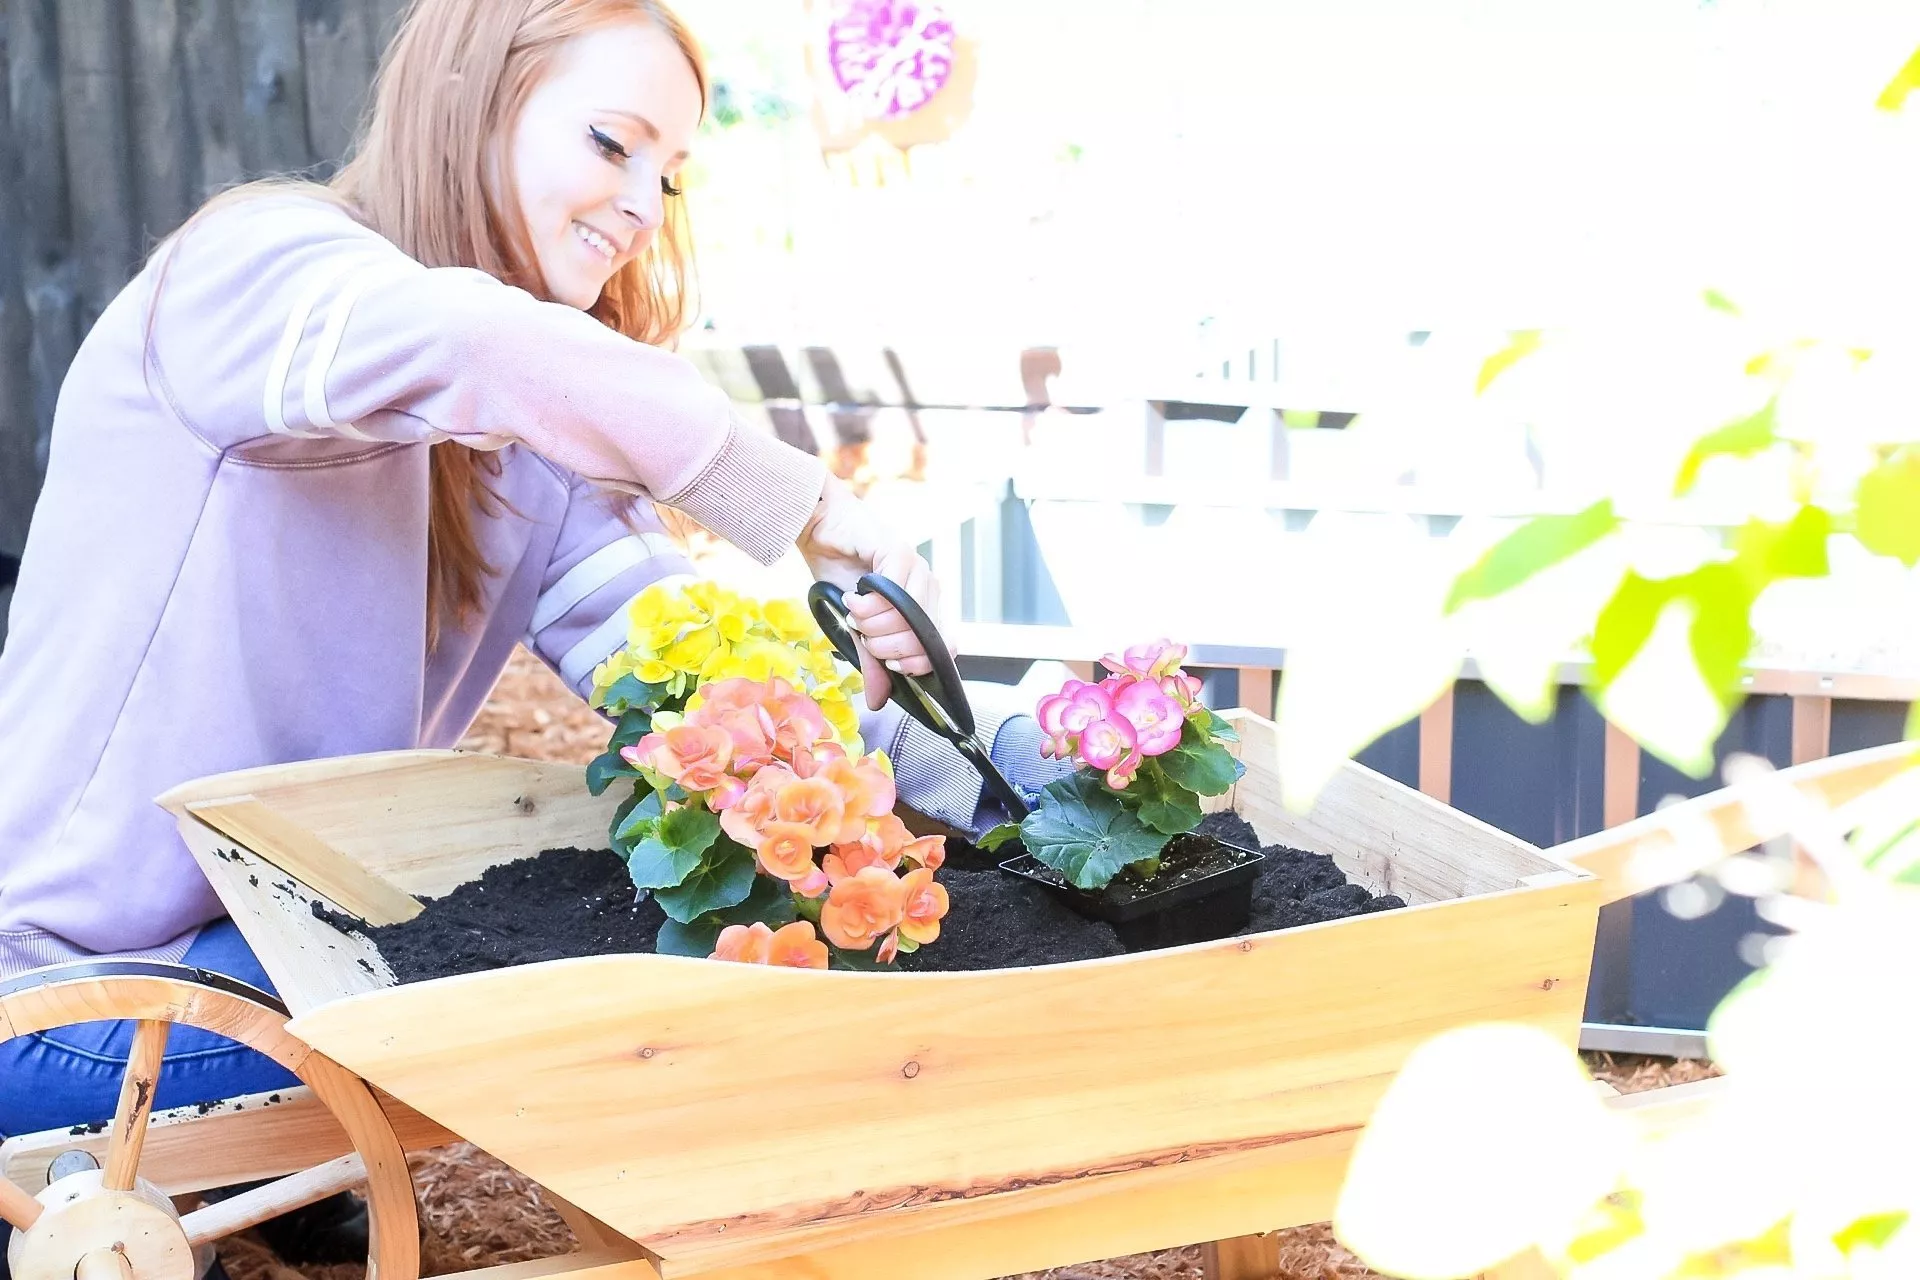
572,902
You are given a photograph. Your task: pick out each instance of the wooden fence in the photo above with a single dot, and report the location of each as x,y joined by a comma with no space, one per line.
117,118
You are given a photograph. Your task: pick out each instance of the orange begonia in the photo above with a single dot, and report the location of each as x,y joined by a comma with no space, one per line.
862,907
744,820
792,945
924,906
786,850
795,945
694,756
815,803
745,943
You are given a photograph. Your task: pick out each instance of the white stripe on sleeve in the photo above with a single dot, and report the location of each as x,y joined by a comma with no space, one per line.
604,640
328,346
595,572
274,407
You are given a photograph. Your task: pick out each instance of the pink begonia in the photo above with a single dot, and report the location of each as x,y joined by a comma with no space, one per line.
1156,718
1148,661
1065,715
1112,744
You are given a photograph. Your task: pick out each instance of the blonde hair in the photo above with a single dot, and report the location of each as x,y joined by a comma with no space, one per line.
448,94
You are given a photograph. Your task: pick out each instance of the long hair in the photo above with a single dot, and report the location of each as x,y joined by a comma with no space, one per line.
448,95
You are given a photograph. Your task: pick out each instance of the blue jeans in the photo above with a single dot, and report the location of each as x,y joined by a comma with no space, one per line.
71,1075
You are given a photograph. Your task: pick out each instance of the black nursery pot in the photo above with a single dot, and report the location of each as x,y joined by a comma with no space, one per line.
1204,890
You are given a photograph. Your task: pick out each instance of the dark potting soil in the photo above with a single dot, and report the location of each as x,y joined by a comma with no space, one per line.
574,902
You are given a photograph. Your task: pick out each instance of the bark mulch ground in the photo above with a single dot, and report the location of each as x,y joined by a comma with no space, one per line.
477,1212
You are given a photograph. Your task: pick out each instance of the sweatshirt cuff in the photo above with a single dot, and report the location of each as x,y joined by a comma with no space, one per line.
758,492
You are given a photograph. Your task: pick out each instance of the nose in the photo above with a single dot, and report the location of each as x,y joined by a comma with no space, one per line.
641,202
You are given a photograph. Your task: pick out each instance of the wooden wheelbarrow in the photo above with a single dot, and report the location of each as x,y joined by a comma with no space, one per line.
691,1118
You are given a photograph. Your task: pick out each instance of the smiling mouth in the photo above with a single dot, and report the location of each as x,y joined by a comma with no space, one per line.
595,241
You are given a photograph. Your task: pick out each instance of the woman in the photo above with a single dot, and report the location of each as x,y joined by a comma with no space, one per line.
378,434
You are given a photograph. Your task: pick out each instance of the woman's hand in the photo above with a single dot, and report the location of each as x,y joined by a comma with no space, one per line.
841,542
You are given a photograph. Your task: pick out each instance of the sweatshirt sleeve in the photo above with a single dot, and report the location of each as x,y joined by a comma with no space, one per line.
283,316
599,564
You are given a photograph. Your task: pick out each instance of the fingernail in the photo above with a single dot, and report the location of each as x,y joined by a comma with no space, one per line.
853,624
892,665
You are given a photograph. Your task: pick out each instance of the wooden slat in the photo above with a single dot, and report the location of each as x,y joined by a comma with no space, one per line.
17,1207
301,854
273,86
223,1218
1664,847
245,1139
1057,1224
94,114
1241,1258
1619,777
137,1086
19,471
337,49
1812,727
309,961
210,65
1387,836
1436,748
967,1095
166,170
1256,690
446,816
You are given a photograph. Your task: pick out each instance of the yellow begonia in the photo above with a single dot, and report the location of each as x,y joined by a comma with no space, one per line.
688,635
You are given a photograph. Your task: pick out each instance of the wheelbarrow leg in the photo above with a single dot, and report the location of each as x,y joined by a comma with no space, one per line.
1241,1258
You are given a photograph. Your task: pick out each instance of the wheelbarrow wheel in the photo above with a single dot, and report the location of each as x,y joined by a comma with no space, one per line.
108,1223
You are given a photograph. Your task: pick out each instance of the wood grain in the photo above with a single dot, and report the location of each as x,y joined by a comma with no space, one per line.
309,961
245,1139
300,853
137,1086
1684,839
965,1086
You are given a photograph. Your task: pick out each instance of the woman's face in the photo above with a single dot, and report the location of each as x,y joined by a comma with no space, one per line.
596,151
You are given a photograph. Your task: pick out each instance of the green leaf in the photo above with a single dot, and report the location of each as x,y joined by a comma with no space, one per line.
694,939
626,808
997,836
1163,804
770,903
1538,544
1212,723
675,847
638,822
723,879
1739,439
1720,302
1872,1231
1904,82
1722,632
1083,831
1888,519
1523,343
1625,624
1199,764
1766,553
636,724
605,768
631,691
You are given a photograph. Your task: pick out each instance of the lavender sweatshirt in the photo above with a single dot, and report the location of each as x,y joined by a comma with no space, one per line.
227,564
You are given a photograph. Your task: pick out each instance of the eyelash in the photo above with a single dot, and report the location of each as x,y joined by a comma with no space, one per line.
612,150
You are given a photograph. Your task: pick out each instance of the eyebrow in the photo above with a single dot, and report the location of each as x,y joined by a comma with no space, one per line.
647,126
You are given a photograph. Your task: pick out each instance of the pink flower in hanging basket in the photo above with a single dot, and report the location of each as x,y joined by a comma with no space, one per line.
890,57
1156,718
